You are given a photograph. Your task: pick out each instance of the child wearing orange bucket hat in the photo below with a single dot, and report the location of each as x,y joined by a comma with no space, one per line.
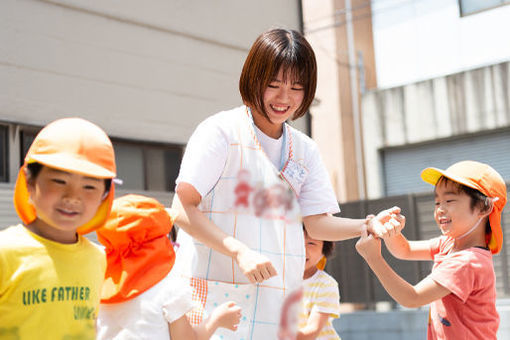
51,276
469,200
142,298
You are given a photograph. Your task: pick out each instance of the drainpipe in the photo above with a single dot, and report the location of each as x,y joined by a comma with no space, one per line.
355,99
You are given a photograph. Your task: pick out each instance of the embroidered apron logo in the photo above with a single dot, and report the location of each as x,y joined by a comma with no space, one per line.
264,199
243,188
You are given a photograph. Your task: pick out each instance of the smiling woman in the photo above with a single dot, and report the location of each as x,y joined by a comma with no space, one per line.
246,180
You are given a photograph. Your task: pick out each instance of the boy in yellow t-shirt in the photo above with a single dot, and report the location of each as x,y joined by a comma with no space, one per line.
50,275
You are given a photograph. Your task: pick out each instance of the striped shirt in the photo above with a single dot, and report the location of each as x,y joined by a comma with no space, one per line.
320,293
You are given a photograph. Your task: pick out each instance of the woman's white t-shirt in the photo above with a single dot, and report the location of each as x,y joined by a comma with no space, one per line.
206,155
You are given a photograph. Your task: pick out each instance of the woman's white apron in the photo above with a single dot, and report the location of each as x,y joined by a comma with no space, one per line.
257,204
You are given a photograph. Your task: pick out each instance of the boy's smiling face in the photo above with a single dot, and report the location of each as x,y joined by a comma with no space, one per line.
453,212
63,201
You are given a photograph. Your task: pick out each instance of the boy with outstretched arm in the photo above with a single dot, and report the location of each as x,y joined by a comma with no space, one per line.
469,199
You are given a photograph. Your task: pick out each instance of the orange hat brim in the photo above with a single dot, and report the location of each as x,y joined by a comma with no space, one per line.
71,163
432,175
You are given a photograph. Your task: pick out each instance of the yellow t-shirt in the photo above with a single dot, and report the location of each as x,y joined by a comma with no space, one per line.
48,290
320,294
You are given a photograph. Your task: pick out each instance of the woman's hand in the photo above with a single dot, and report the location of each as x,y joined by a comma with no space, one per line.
255,266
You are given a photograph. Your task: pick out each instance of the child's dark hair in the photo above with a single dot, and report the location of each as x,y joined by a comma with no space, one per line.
477,198
35,168
173,234
328,247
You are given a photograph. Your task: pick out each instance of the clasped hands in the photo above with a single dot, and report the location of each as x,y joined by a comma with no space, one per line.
386,224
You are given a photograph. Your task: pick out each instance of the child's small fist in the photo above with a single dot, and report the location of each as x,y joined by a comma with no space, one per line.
228,315
368,246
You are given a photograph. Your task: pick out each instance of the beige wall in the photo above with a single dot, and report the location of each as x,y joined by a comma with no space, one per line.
333,123
142,70
325,111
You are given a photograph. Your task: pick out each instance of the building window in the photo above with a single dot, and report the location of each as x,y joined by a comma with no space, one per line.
467,7
4,166
147,166
140,166
402,165
27,136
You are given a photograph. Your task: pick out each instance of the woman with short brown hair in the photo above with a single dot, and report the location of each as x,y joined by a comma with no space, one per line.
246,180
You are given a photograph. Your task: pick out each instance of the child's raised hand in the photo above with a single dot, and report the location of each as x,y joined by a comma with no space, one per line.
227,315
387,223
368,246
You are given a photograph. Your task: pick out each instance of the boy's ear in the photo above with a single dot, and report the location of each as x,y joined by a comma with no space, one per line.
486,211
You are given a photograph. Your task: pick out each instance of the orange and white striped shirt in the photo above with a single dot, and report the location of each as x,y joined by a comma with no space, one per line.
320,294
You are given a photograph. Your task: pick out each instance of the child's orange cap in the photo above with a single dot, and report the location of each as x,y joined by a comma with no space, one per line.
483,178
73,145
139,253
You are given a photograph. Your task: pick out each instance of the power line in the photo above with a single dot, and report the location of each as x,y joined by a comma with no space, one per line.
337,12
359,16
343,10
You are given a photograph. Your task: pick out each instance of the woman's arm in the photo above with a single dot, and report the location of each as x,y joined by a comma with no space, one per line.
400,290
314,325
255,267
331,228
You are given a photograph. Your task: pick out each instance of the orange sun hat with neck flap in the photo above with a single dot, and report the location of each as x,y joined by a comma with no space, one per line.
139,253
483,178
73,145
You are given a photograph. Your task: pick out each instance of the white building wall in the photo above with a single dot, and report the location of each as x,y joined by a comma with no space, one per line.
141,70
417,40
467,102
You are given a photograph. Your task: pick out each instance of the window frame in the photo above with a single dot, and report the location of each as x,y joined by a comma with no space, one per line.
463,14
5,169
